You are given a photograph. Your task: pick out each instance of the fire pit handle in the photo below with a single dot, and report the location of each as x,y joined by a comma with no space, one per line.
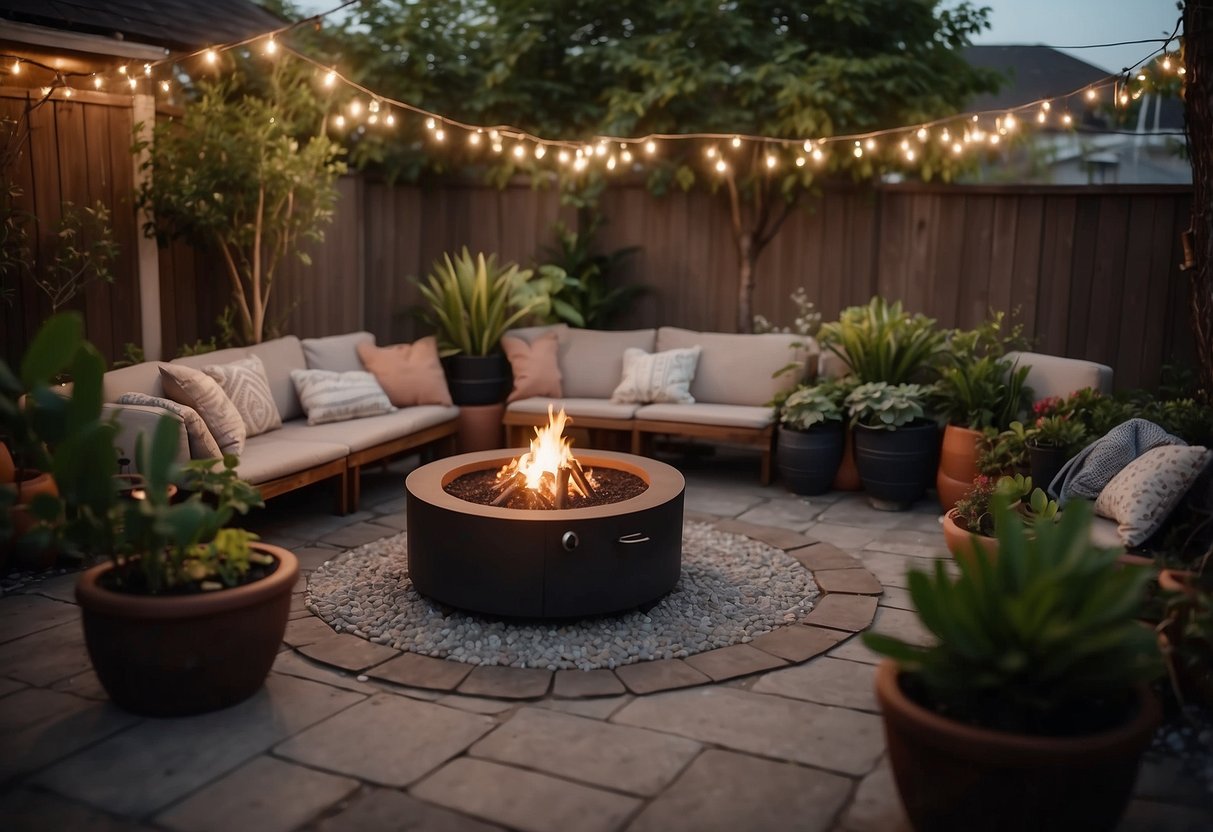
570,541
635,537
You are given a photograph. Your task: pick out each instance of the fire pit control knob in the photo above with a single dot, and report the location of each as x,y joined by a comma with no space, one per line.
570,541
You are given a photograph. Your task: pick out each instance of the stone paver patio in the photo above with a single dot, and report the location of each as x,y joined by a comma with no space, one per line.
782,733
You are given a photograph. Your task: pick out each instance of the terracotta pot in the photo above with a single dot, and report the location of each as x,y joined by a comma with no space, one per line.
480,428
186,654
847,476
28,484
957,464
960,540
1177,580
7,469
954,776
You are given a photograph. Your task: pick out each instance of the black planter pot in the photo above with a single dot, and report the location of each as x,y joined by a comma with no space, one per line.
809,459
897,466
1046,461
478,379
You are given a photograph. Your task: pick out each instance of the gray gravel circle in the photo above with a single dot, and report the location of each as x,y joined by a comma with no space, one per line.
732,589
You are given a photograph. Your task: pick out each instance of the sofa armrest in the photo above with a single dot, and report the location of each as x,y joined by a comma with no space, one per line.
1055,375
134,420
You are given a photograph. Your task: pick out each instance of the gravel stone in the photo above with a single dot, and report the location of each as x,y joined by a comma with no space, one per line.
732,589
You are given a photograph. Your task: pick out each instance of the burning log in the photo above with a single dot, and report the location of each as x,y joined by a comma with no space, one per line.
562,486
517,482
579,477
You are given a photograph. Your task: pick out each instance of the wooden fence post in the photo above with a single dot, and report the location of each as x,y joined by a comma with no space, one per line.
148,258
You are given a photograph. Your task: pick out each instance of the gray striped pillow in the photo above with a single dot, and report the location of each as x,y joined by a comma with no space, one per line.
328,396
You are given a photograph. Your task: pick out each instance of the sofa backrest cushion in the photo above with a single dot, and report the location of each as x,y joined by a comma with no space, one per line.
1055,375
138,378
591,360
737,368
280,356
336,353
530,333
205,359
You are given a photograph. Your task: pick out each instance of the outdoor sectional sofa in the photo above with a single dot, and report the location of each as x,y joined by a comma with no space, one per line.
297,454
734,382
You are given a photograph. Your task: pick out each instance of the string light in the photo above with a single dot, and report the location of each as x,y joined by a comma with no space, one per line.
858,151
650,147
800,161
1067,120
1166,63
736,142
957,147
47,91
710,152
67,92
611,163
540,151
330,78
1181,71
430,124
339,120
771,161
1041,117
1009,122
580,164
211,56
122,70
355,108
519,150
1124,99
563,157
147,70
995,138
721,167
164,86
808,145
923,134
390,121
439,135
474,138
818,155
16,67
601,149
373,118
1045,105
134,82
870,144
97,81
374,105
1092,94
271,46
497,147
626,156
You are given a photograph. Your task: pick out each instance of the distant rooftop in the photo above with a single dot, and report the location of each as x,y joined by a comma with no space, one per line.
1033,72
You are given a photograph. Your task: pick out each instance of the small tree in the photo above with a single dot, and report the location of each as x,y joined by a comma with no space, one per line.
251,174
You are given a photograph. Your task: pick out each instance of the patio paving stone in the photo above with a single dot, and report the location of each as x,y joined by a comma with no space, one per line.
824,556
592,708
771,535
313,557
389,740
8,686
524,799
387,810
663,674
59,587
903,624
1148,816
157,762
26,810
825,681
507,682
731,662
47,656
836,739
38,727
876,806
477,704
292,664
21,615
853,510
856,581
910,542
856,651
577,684
348,652
784,513
924,517
348,537
797,642
843,535
895,596
265,794
420,671
598,753
397,521
84,684
842,612
724,791
304,631
721,502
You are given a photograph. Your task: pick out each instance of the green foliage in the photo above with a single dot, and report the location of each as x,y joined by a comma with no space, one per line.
975,509
1029,640
1003,452
552,289
814,404
592,295
806,319
885,406
882,342
1059,432
472,302
984,392
82,250
994,337
251,174
1187,638
132,354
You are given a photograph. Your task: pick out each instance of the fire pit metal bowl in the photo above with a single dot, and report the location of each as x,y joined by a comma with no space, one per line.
562,563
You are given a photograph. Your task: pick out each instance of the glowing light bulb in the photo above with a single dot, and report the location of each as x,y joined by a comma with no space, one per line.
626,156
330,78
1009,122
870,144
945,136
1041,117
1045,105
808,145
1141,76
721,167
165,86
909,155
97,82
374,105
540,151
905,145
771,161
16,67
1166,63
47,91
818,155
430,124
373,118
1091,95
957,147
800,161
1067,119
611,163
147,69
1124,98
580,164
519,151
563,157
494,135
1181,71
339,121
923,134
439,135
736,141
995,138
474,138
134,82
710,152
67,92
122,70
355,108
650,147
271,46
211,56
496,147
390,121
858,151
601,149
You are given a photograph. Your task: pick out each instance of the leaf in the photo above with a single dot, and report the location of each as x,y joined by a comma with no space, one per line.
52,349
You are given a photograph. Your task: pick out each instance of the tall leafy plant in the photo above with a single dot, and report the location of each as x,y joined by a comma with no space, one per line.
594,296
982,393
252,175
883,342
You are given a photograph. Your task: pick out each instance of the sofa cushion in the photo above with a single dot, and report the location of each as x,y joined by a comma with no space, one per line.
657,377
270,456
725,415
196,389
739,368
202,444
534,366
1147,490
214,357
530,333
1055,375
361,434
410,374
337,353
245,383
585,408
591,361
137,378
337,397
136,420
280,356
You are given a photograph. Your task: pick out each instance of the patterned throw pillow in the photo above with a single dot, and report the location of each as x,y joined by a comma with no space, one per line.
202,444
335,397
1147,490
196,389
657,377
247,386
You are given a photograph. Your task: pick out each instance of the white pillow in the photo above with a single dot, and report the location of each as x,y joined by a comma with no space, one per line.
1147,490
202,444
194,388
328,396
247,385
657,377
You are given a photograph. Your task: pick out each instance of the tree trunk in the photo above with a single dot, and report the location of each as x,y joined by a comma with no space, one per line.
747,258
1198,111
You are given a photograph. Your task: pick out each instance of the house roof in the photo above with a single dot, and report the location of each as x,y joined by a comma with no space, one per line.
1032,72
173,24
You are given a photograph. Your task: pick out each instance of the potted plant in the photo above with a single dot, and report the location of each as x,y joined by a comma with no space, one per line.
896,446
1003,453
1185,633
471,303
970,523
1030,709
809,441
1051,443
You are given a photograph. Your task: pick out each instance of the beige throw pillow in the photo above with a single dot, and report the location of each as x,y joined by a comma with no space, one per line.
247,385
1147,490
202,444
657,377
196,389
337,397
410,374
536,372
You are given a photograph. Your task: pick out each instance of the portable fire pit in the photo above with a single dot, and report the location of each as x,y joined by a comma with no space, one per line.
543,541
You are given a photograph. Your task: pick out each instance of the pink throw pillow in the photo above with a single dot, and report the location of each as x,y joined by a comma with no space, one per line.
536,372
409,373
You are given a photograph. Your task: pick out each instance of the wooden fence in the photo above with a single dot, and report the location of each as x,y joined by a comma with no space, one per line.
1092,271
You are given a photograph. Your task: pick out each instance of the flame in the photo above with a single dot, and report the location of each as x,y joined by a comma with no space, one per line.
550,452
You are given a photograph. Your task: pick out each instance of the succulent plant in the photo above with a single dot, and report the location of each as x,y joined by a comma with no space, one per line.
815,404
886,406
